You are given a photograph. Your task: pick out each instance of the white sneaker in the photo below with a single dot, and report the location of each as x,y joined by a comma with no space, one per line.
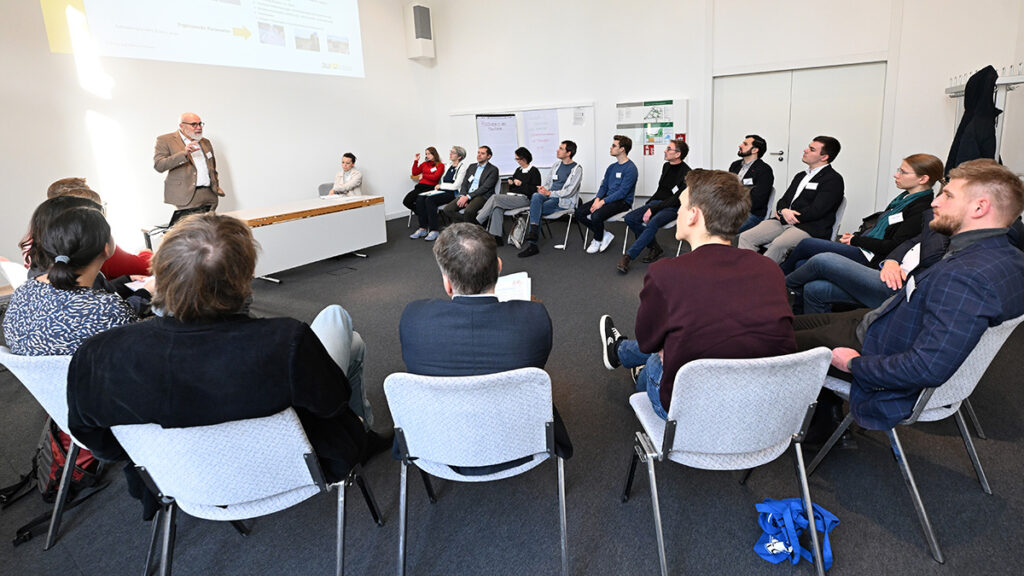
594,247
608,237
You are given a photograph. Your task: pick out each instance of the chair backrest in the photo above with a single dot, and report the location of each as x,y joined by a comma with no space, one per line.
325,188
472,420
839,219
258,465
937,403
497,186
771,203
745,407
46,377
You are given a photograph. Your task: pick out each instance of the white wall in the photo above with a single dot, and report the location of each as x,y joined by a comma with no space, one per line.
277,135
939,39
758,36
533,52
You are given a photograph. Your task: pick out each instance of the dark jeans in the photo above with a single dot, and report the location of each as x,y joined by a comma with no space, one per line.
595,220
410,198
811,246
426,208
646,233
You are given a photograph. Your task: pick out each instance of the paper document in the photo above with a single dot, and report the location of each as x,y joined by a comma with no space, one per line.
513,287
138,284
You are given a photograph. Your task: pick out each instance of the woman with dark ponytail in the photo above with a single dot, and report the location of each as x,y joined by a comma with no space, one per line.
56,311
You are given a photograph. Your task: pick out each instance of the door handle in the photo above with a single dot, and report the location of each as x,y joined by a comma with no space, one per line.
780,154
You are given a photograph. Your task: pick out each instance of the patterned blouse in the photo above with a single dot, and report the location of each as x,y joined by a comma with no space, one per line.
44,321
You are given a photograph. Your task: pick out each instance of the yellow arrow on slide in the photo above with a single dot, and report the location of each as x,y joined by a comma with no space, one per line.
243,32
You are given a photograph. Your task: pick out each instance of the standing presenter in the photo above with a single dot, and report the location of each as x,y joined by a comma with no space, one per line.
191,168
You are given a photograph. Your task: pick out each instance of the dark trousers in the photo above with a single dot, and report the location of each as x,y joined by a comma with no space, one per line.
410,198
595,220
835,330
646,233
426,208
451,210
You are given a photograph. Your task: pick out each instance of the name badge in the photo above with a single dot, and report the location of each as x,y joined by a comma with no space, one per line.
675,189
554,176
896,218
618,174
210,155
434,169
911,286
811,186
472,177
748,181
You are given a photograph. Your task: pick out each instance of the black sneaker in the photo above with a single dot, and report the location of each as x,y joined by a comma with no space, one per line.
530,250
634,373
610,338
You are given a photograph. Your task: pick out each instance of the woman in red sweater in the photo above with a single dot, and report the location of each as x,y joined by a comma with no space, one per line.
430,173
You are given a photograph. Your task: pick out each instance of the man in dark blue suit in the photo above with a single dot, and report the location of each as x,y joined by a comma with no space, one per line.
918,338
473,333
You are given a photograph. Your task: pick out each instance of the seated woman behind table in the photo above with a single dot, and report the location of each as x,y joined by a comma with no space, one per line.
53,312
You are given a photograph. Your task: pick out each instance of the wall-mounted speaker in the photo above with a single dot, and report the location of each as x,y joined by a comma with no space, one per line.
419,32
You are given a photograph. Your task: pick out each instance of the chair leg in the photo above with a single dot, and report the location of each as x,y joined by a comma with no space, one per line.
805,490
430,487
657,516
828,445
966,435
561,515
62,495
679,248
908,478
974,419
170,526
241,527
629,476
371,502
746,476
154,538
339,545
403,496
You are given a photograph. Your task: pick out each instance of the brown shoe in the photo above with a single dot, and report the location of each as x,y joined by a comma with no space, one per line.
623,266
654,251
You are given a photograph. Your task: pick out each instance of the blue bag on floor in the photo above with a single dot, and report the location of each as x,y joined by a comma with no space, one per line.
783,521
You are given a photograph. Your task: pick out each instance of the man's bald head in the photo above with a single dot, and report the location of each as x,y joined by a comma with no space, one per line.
191,125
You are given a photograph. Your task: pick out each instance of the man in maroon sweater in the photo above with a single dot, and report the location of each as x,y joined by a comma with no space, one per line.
715,301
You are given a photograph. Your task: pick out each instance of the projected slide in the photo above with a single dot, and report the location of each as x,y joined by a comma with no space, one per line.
311,36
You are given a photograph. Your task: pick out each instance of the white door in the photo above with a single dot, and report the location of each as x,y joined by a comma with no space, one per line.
753,104
842,101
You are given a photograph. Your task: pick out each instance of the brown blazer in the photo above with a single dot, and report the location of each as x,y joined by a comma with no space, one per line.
180,185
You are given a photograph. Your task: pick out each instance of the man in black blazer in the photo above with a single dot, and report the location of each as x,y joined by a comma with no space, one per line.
477,187
807,210
756,175
472,333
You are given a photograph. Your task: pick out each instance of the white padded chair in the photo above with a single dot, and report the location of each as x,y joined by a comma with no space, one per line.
934,404
46,378
548,218
473,421
231,472
839,219
731,415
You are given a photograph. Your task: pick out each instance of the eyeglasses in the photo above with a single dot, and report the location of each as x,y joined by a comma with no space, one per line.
195,124
903,172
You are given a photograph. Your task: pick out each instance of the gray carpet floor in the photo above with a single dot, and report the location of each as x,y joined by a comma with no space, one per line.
511,527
